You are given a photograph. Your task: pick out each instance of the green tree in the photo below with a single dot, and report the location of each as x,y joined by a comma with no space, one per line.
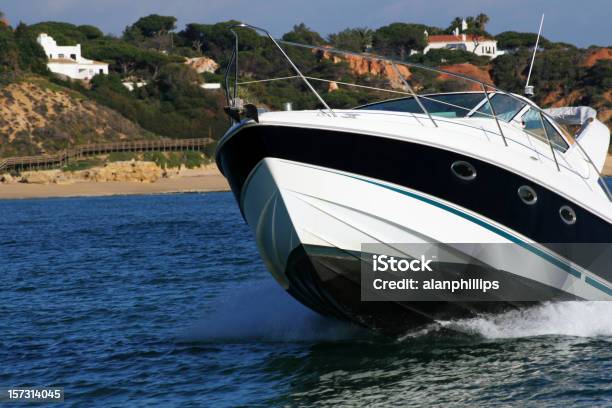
556,65
90,32
31,55
19,53
126,58
455,23
177,80
481,21
62,33
596,80
599,75
470,22
9,54
123,57
399,39
303,35
151,25
110,82
510,40
353,39
475,25
216,39
508,70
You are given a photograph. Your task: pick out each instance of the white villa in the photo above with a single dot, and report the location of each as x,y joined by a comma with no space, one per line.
67,60
478,45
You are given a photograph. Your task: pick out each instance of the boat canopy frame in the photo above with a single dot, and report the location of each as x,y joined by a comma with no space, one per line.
233,102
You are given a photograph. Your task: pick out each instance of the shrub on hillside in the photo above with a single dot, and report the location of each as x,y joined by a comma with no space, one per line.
509,40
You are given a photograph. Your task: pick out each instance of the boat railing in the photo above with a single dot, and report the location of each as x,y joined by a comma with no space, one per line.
487,89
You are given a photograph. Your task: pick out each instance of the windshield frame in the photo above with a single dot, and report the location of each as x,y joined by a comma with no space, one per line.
429,97
472,114
492,96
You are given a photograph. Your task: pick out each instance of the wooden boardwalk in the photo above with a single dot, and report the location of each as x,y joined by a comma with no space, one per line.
63,157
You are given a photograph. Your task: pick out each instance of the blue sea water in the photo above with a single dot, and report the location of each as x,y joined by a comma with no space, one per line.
163,301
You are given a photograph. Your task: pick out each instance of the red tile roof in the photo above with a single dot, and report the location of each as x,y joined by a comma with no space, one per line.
456,38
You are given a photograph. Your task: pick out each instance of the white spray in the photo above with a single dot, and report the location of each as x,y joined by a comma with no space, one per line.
579,319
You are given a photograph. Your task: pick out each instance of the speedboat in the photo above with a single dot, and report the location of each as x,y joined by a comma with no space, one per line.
502,189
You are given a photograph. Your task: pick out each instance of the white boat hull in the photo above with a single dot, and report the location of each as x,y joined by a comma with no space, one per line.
292,206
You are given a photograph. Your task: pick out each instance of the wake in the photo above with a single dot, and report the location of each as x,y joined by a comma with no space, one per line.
264,311
578,319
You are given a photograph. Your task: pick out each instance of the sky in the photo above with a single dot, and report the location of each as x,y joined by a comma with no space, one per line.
583,23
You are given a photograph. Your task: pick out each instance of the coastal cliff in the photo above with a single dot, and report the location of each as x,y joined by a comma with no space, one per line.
39,117
480,73
364,66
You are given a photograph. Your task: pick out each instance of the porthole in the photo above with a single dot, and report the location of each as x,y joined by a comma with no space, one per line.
527,195
568,215
463,170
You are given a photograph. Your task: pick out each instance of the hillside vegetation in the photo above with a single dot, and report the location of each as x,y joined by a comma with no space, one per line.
172,104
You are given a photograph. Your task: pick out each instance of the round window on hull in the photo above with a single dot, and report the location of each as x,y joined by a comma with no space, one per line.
527,195
463,170
568,215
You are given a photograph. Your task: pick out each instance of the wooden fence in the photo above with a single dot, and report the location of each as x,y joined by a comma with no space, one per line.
63,157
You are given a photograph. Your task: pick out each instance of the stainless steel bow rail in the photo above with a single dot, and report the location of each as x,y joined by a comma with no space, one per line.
63,157
235,105
232,103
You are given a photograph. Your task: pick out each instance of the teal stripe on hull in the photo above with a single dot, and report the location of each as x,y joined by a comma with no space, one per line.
555,261
599,285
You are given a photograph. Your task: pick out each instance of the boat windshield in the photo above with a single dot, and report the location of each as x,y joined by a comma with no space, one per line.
450,105
541,128
506,107
454,105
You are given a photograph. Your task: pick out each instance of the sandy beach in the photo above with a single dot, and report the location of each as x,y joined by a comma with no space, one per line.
188,181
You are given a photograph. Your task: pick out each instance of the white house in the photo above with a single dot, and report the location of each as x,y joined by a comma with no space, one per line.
67,60
478,45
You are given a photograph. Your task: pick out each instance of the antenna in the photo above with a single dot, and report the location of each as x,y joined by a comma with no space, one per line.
528,88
